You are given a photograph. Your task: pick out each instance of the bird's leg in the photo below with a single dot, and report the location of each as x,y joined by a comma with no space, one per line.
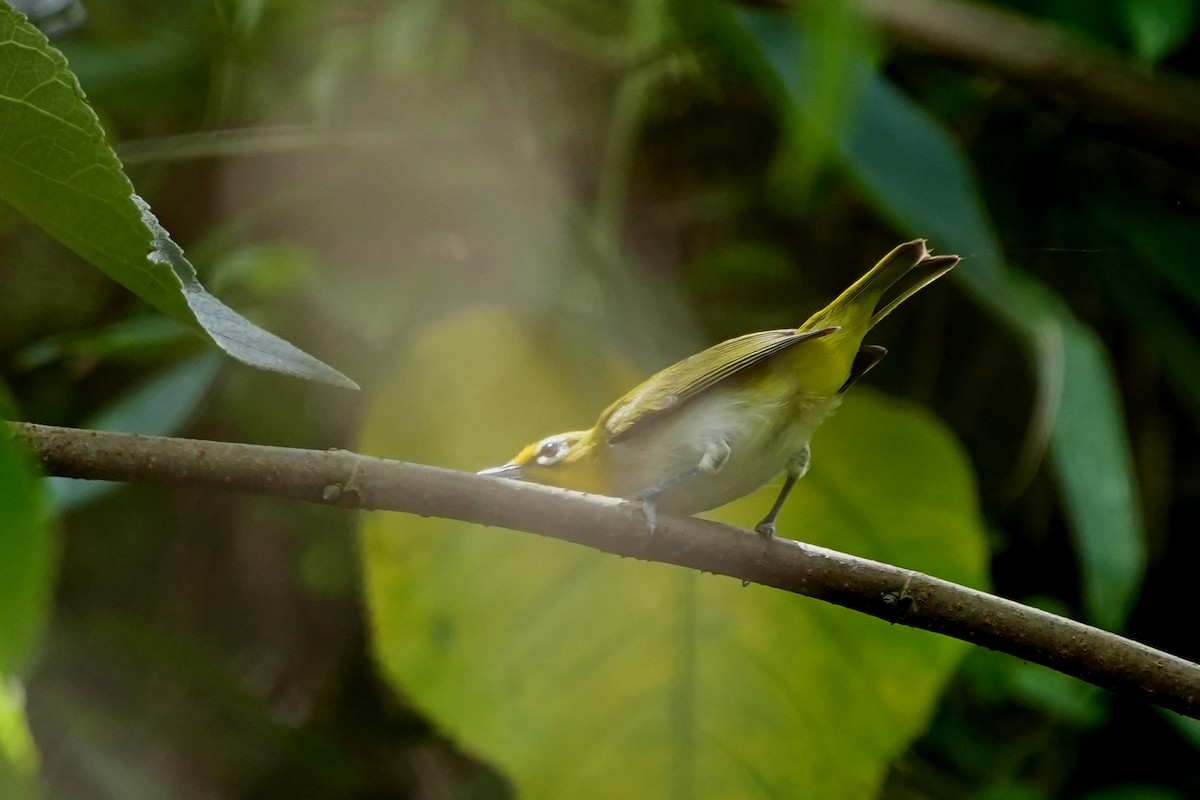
715,455
796,467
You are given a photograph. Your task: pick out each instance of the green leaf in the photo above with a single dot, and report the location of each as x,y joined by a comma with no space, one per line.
1069,699
57,170
903,160
135,339
916,175
1159,27
1094,466
833,76
16,744
19,760
26,558
1188,728
581,674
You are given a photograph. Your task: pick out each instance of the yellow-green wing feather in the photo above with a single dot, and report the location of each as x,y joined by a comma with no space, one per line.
851,315
669,390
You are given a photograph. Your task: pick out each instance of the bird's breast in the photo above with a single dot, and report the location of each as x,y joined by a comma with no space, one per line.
763,426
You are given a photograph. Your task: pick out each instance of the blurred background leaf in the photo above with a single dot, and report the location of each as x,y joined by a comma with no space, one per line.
19,763
1159,27
27,548
27,568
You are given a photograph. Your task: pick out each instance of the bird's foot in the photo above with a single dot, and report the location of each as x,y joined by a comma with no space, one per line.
649,509
649,501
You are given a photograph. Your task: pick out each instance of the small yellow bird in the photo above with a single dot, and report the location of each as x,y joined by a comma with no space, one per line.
721,423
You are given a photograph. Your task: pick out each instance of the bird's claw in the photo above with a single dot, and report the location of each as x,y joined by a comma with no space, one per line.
765,529
649,509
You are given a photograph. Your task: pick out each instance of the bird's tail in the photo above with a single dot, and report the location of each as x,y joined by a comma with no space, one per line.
910,262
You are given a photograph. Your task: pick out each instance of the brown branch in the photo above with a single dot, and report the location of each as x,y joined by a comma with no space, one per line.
1107,88
339,477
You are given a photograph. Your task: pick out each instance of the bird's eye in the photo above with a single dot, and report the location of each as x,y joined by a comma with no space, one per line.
551,451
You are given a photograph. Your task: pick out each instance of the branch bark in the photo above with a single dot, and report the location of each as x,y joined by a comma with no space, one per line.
342,478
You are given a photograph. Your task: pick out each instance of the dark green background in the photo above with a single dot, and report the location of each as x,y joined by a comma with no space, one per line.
344,173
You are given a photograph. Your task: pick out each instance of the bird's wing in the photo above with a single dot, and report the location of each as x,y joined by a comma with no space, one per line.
669,390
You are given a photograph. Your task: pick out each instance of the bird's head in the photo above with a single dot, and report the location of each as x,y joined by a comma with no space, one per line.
568,460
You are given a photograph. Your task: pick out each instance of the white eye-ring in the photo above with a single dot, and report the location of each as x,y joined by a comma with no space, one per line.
551,451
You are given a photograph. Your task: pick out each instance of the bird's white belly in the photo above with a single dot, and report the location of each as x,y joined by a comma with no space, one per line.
761,438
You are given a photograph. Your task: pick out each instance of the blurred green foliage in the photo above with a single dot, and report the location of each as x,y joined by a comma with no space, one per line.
653,177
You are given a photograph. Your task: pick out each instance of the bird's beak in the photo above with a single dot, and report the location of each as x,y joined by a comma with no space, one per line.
506,471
